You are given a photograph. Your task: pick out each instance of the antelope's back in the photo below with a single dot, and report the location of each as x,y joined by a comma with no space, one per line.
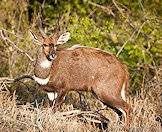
82,67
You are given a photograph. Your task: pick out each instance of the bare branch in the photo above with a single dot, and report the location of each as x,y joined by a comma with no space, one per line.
120,50
14,34
133,34
23,77
6,80
108,10
120,10
6,39
13,80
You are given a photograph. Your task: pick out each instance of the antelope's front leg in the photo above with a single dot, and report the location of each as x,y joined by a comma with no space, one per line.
52,97
56,99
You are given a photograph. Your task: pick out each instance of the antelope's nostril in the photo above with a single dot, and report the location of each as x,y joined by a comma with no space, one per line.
52,56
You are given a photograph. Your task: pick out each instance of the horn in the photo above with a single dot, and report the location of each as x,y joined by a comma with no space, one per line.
41,27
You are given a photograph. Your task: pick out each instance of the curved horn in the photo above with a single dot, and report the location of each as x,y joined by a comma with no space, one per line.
41,27
42,32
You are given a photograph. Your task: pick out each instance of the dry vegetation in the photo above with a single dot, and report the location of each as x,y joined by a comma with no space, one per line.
15,116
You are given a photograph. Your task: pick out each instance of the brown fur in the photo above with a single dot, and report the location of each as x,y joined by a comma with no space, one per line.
84,69
88,69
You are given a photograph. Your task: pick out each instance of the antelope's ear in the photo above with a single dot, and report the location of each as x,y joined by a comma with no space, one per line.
63,38
39,40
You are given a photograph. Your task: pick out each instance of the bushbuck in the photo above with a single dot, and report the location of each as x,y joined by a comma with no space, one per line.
80,68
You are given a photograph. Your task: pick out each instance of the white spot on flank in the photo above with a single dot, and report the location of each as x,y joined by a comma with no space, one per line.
124,113
52,96
123,92
92,77
41,81
46,64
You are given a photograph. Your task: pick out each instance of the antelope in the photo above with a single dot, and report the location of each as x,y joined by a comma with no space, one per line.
80,68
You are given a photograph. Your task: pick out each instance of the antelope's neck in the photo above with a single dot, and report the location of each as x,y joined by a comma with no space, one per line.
42,68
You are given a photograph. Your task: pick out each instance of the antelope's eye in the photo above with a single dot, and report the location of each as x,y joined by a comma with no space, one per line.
51,45
45,45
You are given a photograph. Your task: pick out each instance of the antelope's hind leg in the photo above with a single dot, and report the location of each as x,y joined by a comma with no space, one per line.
121,108
125,109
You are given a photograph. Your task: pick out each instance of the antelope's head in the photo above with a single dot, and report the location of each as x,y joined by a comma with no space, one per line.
49,43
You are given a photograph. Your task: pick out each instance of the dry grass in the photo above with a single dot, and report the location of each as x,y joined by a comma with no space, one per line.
17,117
27,118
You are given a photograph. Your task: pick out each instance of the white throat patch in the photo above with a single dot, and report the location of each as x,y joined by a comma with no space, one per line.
46,64
41,81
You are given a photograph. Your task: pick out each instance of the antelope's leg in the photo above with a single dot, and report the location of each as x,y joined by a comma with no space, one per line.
126,109
58,101
122,106
119,106
52,96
